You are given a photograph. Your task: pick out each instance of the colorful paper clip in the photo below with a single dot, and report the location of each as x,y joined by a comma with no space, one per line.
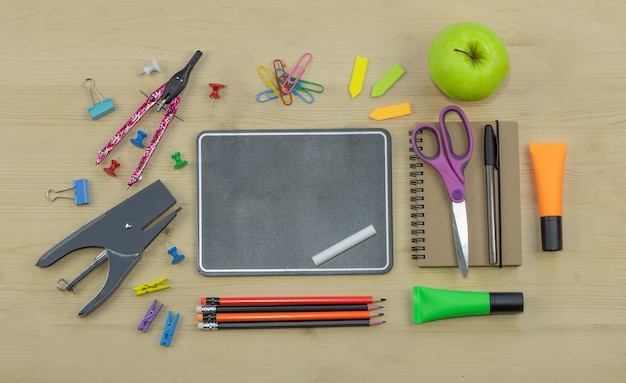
151,314
267,76
169,328
151,287
81,192
290,82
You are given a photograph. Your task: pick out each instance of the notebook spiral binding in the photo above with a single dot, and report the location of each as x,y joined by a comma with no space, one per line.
417,204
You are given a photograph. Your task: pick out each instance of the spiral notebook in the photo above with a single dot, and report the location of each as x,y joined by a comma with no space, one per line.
268,201
431,217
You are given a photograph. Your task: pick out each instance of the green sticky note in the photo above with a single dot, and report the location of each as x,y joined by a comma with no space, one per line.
387,80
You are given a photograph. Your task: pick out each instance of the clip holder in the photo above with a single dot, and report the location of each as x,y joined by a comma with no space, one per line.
81,192
151,287
101,108
151,314
169,328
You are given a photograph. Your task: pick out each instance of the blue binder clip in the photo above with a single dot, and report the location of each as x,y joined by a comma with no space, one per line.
168,330
81,192
101,108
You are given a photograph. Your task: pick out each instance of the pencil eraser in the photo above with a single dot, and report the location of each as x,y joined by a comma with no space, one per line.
203,301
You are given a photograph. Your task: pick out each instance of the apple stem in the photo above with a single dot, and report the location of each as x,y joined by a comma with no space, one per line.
474,59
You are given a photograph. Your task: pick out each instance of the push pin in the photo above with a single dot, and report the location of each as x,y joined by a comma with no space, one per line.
215,92
180,163
173,251
149,69
101,108
138,141
111,169
81,192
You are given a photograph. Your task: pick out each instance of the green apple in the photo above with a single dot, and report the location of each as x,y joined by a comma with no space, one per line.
468,61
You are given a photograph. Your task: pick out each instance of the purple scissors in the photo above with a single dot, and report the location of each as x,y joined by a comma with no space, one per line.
450,167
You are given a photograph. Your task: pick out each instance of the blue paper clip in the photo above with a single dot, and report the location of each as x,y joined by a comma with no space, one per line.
149,317
81,192
269,95
301,93
168,330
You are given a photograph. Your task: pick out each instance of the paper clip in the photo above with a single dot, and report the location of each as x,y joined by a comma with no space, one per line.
301,93
310,86
81,192
151,287
151,314
266,95
296,73
279,71
169,328
266,75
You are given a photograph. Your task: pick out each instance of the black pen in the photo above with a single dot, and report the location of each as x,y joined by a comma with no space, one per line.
491,163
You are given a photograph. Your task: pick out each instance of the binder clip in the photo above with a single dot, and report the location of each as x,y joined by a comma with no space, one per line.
101,108
173,251
151,287
81,192
151,314
169,328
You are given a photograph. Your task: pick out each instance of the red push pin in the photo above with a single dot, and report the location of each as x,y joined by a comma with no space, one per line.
111,169
215,93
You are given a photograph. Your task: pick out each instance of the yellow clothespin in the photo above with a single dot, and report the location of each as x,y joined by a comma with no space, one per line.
151,287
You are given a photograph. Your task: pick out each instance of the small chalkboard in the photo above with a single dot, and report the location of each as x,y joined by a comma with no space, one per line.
268,201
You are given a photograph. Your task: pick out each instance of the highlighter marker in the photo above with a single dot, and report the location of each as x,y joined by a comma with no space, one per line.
549,164
432,304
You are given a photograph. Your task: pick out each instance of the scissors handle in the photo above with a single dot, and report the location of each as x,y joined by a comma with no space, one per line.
447,163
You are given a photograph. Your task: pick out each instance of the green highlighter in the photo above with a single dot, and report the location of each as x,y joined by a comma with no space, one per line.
431,304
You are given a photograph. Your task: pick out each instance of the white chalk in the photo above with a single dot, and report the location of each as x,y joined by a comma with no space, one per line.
344,245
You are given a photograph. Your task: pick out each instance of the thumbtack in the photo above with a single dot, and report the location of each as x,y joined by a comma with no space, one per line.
173,251
180,163
138,140
149,69
81,192
111,169
215,92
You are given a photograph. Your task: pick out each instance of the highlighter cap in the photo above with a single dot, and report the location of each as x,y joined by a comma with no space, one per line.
551,233
506,303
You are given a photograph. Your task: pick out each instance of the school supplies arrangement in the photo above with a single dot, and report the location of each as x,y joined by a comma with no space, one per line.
288,311
166,96
269,201
433,243
451,167
124,232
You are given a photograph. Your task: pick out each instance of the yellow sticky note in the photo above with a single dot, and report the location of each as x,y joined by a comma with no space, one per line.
386,112
358,76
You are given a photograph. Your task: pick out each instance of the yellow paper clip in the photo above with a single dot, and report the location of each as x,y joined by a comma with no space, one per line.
267,75
151,287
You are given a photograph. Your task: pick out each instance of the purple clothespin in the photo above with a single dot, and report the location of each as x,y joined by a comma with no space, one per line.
149,317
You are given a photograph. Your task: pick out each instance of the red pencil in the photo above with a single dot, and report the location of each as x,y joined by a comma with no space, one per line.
270,301
286,316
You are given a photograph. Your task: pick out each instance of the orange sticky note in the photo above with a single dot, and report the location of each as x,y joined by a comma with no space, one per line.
386,112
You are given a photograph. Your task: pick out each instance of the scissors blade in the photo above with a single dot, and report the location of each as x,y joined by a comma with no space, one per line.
461,235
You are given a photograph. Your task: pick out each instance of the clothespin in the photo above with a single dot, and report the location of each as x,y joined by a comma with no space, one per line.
149,317
81,192
151,287
169,328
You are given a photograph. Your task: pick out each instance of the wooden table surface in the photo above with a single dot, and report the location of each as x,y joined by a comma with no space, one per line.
566,83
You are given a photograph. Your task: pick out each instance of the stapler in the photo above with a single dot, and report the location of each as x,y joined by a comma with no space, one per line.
124,232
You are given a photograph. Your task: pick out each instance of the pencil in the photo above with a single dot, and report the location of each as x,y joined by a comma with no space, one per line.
292,324
287,316
273,301
286,308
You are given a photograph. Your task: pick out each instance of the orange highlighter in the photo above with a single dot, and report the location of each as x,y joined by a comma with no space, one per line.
549,164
